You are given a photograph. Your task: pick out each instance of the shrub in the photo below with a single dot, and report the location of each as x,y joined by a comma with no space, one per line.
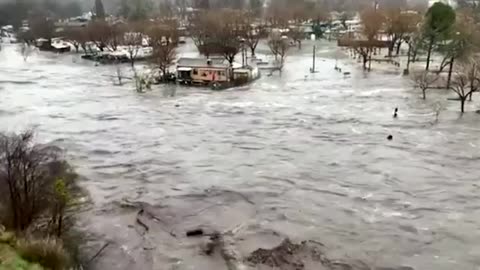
29,178
48,252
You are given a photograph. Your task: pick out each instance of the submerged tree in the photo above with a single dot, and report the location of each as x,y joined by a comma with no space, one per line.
466,81
424,81
164,40
279,48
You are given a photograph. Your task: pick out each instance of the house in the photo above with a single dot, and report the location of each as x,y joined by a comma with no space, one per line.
203,71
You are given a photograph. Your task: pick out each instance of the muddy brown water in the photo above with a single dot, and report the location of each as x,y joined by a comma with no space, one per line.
301,155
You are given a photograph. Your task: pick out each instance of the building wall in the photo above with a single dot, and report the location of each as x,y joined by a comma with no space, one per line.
210,74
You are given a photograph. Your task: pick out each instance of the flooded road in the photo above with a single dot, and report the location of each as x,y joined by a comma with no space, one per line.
309,150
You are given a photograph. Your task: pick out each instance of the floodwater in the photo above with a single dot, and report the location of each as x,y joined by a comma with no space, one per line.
309,151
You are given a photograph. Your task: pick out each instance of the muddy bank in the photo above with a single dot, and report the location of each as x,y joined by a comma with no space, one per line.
214,230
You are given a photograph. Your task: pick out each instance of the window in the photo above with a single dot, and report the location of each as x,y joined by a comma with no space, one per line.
221,73
195,72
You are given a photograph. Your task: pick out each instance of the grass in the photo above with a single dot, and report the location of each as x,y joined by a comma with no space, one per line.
48,252
11,260
31,254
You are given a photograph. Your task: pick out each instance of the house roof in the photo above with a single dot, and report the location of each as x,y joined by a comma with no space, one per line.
202,62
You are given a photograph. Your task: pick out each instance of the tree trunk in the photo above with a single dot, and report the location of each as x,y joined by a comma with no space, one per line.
370,62
462,100
450,69
470,96
429,53
252,49
399,44
390,49
424,91
365,60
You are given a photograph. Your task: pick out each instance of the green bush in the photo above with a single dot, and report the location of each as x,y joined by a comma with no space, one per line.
48,252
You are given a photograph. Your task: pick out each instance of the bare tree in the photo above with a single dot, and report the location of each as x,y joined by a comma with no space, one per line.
219,32
78,37
133,40
424,81
466,81
253,33
372,22
105,35
398,25
28,173
42,27
296,33
279,48
164,40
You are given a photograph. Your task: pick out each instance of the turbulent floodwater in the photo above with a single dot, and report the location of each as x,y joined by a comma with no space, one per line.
309,150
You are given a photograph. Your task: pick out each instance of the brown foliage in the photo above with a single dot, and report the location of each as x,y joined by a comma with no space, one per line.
219,32
253,33
372,21
163,39
105,35
133,39
398,25
48,252
78,36
279,48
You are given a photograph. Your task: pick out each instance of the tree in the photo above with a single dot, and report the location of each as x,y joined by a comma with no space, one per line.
413,40
163,39
219,32
78,37
42,27
141,10
133,40
372,22
398,26
253,33
463,43
277,14
466,81
439,21
279,48
297,34
424,81
256,7
202,4
99,10
28,173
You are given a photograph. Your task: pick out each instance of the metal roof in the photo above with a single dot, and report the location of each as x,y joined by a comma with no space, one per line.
202,62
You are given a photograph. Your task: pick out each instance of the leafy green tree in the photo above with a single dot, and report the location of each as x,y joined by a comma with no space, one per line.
439,22
462,44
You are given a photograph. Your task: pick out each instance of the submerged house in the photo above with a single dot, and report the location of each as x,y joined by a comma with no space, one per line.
203,71
215,71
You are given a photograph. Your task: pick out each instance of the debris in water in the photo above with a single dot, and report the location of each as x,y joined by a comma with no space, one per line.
390,137
196,232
